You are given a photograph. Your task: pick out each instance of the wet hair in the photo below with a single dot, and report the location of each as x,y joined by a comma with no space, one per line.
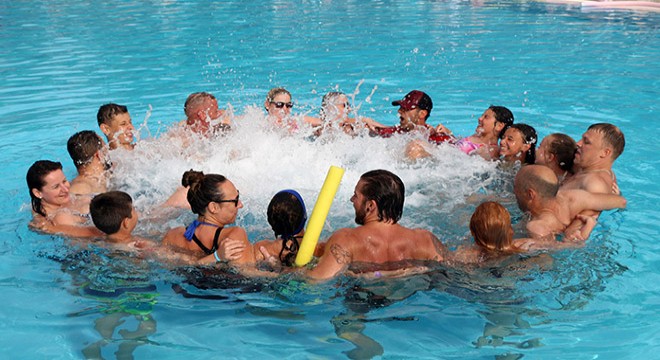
203,189
530,138
82,146
490,226
109,209
387,190
613,136
35,180
328,101
194,100
287,217
503,115
276,91
563,147
108,111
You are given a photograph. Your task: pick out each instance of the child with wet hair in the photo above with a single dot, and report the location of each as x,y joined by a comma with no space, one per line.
287,217
113,213
557,151
490,226
519,145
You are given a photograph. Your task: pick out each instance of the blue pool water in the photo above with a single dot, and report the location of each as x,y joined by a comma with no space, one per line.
558,67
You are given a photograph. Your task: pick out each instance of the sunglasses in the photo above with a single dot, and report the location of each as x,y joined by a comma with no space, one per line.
279,104
235,201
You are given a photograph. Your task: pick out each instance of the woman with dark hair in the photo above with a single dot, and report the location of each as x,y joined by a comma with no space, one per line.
519,144
215,200
287,217
53,208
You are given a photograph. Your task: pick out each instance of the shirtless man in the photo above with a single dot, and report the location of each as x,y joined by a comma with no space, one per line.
595,155
537,191
115,122
89,155
414,110
596,152
378,203
203,115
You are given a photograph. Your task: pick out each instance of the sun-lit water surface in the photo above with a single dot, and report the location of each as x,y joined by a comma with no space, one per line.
557,67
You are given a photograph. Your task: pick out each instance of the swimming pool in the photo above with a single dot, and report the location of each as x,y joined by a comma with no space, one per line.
555,66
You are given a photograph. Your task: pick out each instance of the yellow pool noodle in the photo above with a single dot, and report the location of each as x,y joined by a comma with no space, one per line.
320,212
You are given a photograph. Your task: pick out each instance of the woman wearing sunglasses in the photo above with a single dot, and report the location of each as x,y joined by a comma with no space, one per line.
278,105
216,201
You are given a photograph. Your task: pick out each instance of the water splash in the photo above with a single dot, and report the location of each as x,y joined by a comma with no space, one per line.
261,160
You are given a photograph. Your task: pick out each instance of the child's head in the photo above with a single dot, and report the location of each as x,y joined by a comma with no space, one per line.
115,122
83,146
558,149
490,226
519,141
287,217
113,212
502,115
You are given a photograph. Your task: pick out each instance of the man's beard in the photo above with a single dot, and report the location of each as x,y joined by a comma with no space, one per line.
360,215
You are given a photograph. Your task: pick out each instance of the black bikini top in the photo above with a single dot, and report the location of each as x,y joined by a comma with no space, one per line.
190,236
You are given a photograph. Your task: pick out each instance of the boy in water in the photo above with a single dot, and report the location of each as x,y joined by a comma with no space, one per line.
113,213
115,122
89,155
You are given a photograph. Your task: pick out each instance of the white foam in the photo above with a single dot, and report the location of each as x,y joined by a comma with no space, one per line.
261,160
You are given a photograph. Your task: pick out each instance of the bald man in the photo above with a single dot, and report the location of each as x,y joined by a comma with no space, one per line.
537,191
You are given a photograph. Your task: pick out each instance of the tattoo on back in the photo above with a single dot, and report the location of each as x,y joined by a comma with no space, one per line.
342,256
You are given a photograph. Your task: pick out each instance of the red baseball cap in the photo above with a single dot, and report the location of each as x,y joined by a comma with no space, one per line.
415,100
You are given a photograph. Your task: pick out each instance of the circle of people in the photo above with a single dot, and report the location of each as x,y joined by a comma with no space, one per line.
562,184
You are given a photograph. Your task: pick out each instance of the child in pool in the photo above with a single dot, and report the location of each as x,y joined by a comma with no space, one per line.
518,145
490,226
557,151
113,213
287,217
490,128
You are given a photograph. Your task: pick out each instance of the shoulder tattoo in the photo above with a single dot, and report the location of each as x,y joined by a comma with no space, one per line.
342,256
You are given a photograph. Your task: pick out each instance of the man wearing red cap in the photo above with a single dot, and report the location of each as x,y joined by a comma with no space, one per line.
414,110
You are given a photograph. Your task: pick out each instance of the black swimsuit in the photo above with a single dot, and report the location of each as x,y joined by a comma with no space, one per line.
206,250
189,234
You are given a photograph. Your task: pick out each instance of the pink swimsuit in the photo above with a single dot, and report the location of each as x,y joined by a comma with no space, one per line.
467,146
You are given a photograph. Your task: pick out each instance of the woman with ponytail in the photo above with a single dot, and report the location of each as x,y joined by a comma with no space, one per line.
215,200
